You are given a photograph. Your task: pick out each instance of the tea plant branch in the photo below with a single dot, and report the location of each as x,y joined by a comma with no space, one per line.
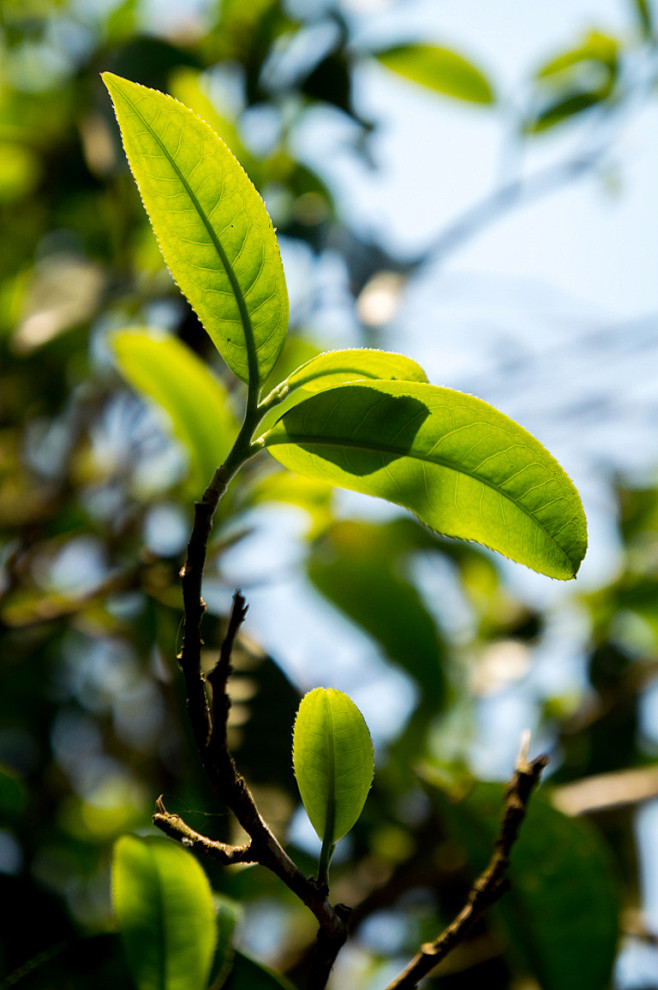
490,885
174,826
192,575
210,731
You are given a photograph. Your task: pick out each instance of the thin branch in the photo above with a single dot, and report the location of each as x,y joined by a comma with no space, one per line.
209,724
490,885
174,826
194,607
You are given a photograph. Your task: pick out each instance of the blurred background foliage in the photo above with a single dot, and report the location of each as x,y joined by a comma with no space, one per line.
98,470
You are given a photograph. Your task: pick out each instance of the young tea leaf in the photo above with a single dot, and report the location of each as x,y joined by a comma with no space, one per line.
336,367
164,910
332,368
465,469
439,69
211,224
334,764
168,372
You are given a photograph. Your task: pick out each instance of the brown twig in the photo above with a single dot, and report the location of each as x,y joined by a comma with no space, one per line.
174,826
209,723
490,885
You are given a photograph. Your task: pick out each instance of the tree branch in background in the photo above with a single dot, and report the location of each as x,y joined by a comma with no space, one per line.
490,885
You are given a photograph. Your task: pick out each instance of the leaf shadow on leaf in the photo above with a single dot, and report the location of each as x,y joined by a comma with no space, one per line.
353,456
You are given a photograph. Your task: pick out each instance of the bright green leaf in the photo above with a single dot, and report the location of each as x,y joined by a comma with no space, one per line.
464,468
336,367
168,372
332,368
334,763
439,69
164,910
597,48
561,913
211,224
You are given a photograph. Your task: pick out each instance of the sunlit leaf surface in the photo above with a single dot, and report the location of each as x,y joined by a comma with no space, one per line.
333,760
464,468
164,910
211,224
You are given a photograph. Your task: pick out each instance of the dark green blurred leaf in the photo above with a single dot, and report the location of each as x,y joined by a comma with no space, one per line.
563,109
360,568
440,69
229,915
560,915
12,796
247,974
575,81
644,14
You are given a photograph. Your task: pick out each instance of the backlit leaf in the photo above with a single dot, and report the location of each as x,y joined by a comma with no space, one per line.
164,910
168,372
439,69
334,761
336,367
211,224
464,468
332,368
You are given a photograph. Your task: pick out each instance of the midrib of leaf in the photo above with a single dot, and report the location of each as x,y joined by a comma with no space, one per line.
252,359
162,955
331,791
330,814
441,462
346,369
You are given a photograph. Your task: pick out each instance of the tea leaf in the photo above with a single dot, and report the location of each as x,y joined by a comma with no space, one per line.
211,224
465,469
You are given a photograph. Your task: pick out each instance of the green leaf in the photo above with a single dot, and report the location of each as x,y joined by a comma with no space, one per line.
332,368
464,468
644,14
336,367
563,109
598,51
360,568
439,69
211,224
164,910
229,913
247,974
560,915
334,764
197,405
